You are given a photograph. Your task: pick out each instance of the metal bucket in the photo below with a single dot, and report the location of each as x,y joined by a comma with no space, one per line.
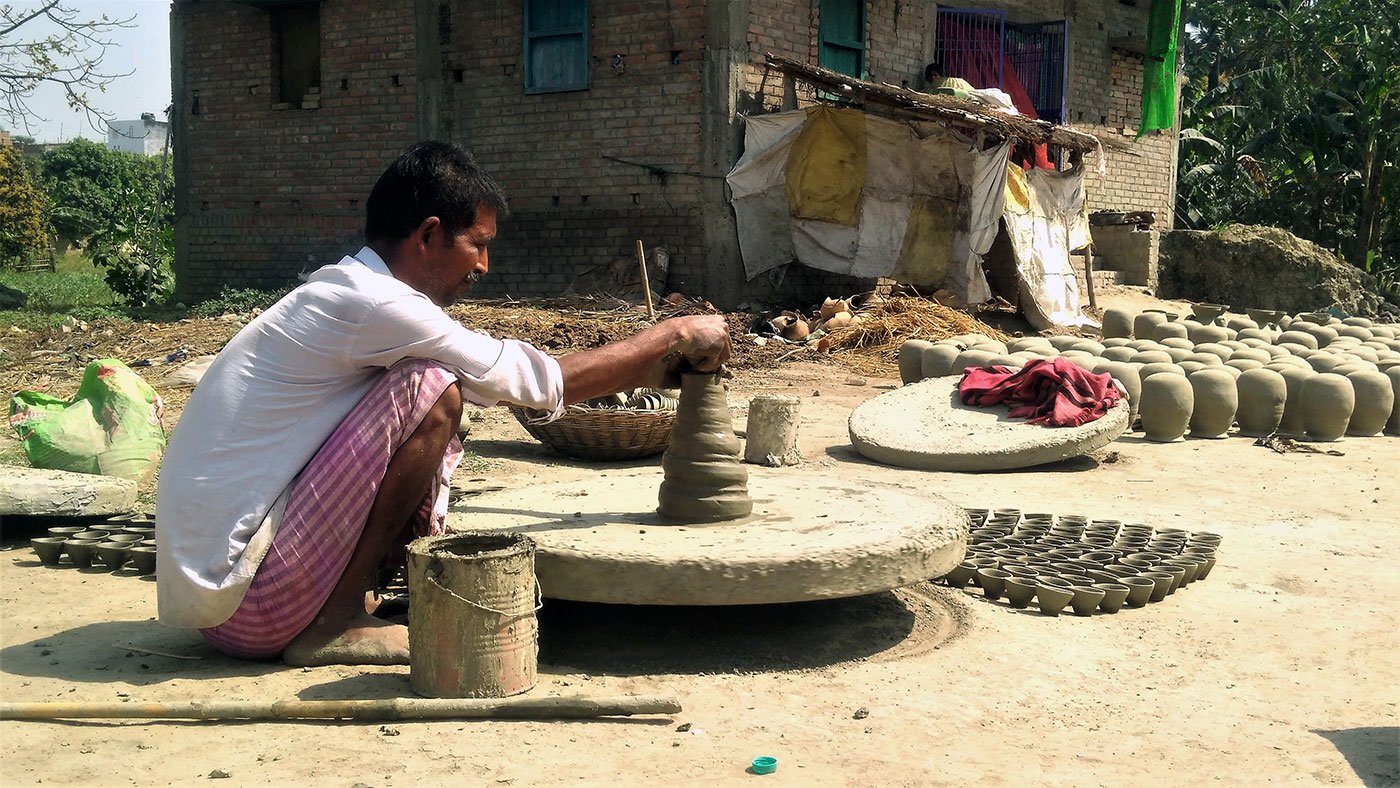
472,631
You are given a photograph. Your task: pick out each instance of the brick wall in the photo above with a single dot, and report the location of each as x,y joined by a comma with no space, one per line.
266,193
572,205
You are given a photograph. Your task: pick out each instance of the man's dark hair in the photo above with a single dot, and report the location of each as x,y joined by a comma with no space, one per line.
430,179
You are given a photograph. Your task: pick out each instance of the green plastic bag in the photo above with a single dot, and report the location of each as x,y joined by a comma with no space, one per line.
112,427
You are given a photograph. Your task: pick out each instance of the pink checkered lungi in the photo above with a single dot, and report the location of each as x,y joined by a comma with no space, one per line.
327,510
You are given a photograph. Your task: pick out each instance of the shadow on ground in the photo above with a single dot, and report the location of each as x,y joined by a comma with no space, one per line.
1373,753
111,651
624,640
1088,462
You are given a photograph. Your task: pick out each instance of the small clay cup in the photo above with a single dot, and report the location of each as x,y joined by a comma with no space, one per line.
992,581
1206,567
1020,591
1098,556
959,575
125,538
48,548
147,543
1139,564
1178,574
1075,579
1100,576
143,531
1086,600
1162,585
90,536
1140,590
1205,537
1120,572
108,528
66,531
1114,595
113,554
1052,595
80,551
143,559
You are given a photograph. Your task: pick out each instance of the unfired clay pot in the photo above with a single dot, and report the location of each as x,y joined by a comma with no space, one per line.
1020,591
1118,353
1145,323
1298,338
1168,331
1052,594
1160,367
1118,323
972,358
1114,595
1086,599
1244,364
1392,427
1139,589
1152,357
1263,394
1374,401
911,359
936,361
704,480
1215,400
1167,402
1127,374
1328,401
1201,334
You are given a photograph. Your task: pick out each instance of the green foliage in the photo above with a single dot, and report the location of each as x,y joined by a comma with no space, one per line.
1288,120
120,206
23,210
240,300
76,289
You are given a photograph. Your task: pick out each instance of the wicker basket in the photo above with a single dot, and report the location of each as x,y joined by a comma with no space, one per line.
603,433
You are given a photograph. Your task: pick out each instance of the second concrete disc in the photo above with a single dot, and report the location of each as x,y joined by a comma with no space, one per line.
925,426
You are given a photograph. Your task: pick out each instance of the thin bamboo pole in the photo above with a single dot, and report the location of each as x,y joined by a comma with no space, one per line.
381,710
646,280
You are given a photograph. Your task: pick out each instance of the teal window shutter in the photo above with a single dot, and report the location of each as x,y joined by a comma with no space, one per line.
843,37
556,45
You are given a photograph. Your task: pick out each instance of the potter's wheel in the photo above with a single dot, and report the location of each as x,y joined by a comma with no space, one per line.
811,536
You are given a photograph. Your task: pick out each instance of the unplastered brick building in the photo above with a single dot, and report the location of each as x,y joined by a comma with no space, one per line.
606,122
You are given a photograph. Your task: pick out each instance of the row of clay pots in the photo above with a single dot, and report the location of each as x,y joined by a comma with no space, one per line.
1071,560
1146,324
1271,388
113,543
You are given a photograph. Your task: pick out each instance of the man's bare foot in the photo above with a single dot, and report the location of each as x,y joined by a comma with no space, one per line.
364,640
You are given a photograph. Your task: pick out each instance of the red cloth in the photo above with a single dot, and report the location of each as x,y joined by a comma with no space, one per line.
1054,392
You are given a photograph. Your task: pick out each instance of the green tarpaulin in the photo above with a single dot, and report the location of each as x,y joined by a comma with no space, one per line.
1159,67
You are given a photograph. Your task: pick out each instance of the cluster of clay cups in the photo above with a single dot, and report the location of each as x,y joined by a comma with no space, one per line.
1313,376
1088,565
115,543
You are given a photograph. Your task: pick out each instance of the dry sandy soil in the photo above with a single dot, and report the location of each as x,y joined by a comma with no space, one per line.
1281,668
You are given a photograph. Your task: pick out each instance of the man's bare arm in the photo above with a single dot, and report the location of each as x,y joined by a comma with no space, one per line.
647,358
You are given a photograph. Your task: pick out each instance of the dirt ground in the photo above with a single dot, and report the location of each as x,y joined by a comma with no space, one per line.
1280,668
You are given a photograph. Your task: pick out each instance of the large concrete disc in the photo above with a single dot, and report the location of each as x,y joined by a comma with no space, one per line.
810,537
925,426
33,491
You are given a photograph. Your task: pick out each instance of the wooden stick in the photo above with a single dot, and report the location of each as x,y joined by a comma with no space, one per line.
388,709
1089,272
646,281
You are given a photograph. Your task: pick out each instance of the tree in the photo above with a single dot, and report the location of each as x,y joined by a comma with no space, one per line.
121,207
23,223
49,43
1288,120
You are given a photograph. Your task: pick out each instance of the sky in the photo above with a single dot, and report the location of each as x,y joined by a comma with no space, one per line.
143,50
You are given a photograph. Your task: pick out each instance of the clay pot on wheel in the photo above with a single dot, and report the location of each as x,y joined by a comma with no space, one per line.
1215,400
1374,401
1052,595
1167,402
1263,394
1328,401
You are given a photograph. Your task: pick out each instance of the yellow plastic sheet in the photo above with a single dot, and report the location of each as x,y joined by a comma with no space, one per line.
928,242
826,167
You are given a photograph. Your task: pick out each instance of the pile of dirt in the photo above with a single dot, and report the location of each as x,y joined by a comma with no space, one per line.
1247,266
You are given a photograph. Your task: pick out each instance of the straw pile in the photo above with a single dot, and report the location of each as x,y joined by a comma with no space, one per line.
885,325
